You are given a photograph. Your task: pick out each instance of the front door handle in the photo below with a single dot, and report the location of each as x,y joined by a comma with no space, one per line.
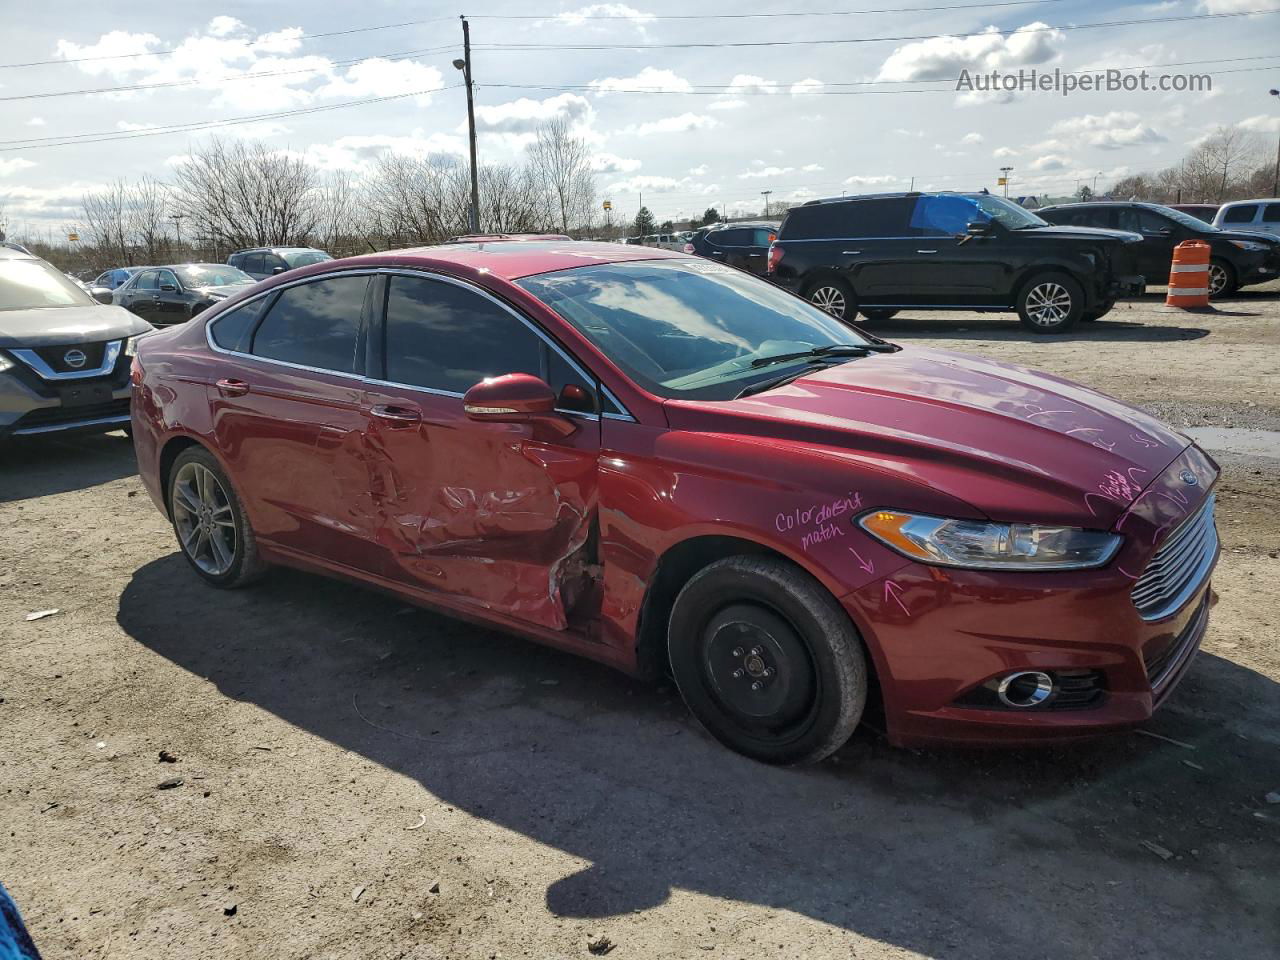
755,254
396,416
850,253
232,388
926,251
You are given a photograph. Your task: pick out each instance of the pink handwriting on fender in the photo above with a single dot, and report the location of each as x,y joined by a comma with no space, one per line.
818,518
893,592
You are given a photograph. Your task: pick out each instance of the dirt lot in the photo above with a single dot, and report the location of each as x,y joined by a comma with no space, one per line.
360,779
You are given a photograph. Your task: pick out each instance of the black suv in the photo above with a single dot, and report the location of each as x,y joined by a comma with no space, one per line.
263,262
950,251
1236,258
742,245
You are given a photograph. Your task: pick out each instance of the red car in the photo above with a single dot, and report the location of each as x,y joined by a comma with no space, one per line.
666,464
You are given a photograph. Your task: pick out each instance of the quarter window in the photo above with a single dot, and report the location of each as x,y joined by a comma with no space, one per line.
1271,213
231,330
1241,214
443,337
315,324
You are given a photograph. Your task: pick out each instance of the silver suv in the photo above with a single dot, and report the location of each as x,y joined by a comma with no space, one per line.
64,357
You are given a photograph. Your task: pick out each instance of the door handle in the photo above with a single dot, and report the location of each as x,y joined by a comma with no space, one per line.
926,251
396,416
755,254
850,253
232,388
717,253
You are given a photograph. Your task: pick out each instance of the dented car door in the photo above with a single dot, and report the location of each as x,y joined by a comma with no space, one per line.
498,515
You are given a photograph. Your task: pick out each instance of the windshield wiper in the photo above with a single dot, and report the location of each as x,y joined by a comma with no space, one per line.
764,385
831,350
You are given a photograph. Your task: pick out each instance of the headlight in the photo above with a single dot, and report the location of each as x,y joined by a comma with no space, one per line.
1248,245
5,363
131,346
979,545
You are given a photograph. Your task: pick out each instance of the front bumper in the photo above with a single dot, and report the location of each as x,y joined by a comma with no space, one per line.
33,405
1132,285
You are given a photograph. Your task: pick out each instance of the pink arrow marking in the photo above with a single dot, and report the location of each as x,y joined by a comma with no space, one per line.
892,591
866,565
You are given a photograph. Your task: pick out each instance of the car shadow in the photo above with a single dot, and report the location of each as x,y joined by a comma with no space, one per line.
905,326
43,466
955,853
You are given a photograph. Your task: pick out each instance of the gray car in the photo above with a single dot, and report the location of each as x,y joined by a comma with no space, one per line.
263,262
64,358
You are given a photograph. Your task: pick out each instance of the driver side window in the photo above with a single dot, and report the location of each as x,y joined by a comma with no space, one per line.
945,216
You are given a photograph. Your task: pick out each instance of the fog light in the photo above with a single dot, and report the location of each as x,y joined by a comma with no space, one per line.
1026,689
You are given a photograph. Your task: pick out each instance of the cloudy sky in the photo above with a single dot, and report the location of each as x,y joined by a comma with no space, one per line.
691,109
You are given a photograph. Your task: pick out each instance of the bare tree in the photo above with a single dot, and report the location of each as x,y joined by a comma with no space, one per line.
340,220
561,164
106,222
408,198
245,194
146,209
1227,150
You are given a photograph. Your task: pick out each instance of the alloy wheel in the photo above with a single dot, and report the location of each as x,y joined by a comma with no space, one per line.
829,299
204,519
1048,304
1217,279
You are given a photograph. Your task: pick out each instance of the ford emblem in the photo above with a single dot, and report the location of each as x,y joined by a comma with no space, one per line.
75,359
1189,478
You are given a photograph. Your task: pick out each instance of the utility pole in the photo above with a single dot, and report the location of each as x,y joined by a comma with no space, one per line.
1275,185
765,194
465,66
177,226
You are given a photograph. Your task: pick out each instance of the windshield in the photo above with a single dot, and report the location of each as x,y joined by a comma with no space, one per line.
1006,212
304,258
1186,219
25,284
687,328
211,275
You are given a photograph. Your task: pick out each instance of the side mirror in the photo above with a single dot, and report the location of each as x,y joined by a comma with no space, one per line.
168,288
516,398
979,228
275,270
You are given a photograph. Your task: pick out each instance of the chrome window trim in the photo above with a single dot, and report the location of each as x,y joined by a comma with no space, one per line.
110,354
417,274
840,239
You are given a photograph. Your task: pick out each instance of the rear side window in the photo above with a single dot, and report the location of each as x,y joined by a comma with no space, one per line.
887,217
1242,214
1271,213
253,263
314,324
731,238
762,238
231,330
443,337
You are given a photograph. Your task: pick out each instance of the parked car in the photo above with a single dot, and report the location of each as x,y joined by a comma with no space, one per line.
64,358
263,262
178,292
950,251
741,245
1236,259
1201,211
627,455
1250,216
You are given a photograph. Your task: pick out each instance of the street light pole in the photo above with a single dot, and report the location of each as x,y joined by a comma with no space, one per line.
1004,175
1275,184
765,194
465,66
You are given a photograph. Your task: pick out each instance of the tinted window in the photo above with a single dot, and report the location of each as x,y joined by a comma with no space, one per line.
231,330
147,280
946,215
731,238
444,337
857,218
762,238
304,258
314,324
1271,213
1141,221
166,276
1241,214
253,263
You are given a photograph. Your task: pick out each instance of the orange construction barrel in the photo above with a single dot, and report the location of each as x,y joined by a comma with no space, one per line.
1189,275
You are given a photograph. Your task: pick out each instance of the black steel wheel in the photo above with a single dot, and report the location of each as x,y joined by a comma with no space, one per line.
767,660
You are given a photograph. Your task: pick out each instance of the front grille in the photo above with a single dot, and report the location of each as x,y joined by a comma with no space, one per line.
56,357
1179,566
1165,663
47,416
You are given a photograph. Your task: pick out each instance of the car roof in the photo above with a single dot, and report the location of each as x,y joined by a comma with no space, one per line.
506,259
1236,203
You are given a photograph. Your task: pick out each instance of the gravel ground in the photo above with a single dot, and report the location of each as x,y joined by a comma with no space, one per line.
363,780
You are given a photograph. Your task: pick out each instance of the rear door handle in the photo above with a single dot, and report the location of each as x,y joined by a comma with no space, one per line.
926,251
850,253
396,416
755,254
232,388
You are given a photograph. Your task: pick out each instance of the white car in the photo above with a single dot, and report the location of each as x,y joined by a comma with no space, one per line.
1250,216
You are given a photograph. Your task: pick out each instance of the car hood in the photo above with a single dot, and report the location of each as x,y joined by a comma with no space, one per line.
1015,444
1080,233
52,326
1245,235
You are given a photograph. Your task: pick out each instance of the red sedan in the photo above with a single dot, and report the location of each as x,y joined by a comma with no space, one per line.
666,464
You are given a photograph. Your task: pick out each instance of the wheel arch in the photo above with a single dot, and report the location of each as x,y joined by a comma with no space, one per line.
1032,271
169,454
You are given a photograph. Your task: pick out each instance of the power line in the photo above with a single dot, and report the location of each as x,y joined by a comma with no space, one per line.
249,43
646,18
193,81
37,143
687,45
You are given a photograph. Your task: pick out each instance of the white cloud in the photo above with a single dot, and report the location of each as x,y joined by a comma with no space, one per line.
765,172
1003,153
943,58
1238,6
10,167
1109,131
128,125
524,115
811,167
726,104
648,79
679,124
1262,123
1050,161
377,77
700,170
904,132
808,85
973,139
358,153
605,12
663,185
116,44
222,26
860,181
36,122
749,83
612,163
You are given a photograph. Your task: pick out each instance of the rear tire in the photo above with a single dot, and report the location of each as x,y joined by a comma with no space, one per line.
1099,313
1222,279
767,660
836,297
1050,303
212,530
875,316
